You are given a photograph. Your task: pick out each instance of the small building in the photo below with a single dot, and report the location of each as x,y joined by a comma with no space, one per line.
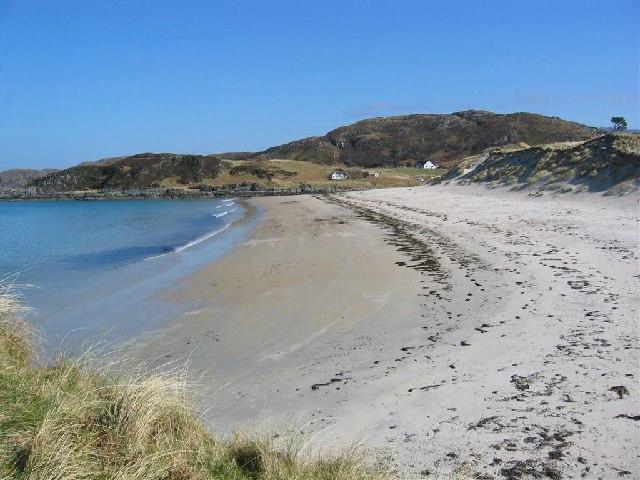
338,175
427,165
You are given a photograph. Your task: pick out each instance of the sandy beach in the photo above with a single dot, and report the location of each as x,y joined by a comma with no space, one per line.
439,328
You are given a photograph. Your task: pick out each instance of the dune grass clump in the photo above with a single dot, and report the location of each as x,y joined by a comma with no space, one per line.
70,420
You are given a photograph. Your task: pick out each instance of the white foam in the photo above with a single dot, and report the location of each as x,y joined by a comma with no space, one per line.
202,238
192,242
220,214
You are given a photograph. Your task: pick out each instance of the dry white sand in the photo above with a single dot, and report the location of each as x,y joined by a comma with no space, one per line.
440,327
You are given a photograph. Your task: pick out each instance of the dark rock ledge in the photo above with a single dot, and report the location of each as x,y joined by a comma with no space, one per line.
243,190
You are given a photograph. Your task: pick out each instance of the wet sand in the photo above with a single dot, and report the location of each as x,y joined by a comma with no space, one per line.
438,327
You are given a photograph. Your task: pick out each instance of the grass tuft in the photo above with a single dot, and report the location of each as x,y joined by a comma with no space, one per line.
73,421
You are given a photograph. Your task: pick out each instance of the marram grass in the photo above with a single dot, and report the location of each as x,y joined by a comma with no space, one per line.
69,420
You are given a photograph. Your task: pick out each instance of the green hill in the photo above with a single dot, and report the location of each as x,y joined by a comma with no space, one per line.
380,143
444,139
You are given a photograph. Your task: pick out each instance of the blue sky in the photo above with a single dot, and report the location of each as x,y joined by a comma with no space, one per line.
82,80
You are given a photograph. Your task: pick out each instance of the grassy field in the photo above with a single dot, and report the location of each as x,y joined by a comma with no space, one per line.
293,173
67,421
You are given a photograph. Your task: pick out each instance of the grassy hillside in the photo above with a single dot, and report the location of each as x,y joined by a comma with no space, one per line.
70,421
610,162
444,139
189,171
376,143
293,173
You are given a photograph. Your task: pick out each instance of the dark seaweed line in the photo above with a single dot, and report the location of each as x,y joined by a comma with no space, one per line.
421,256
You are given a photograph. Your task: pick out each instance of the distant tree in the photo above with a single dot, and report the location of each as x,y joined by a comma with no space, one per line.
619,123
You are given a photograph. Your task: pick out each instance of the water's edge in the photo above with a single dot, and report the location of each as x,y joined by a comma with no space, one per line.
114,306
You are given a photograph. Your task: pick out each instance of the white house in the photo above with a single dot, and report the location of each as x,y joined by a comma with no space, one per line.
428,165
338,175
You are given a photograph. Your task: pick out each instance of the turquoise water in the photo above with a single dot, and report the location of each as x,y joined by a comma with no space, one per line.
92,271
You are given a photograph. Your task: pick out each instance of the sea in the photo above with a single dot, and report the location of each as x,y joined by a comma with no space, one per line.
94,272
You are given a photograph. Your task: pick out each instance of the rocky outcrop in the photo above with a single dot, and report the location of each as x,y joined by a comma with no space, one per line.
231,190
19,177
145,170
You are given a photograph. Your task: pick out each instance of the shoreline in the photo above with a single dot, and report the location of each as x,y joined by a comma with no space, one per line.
101,308
441,329
280,295
169,193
